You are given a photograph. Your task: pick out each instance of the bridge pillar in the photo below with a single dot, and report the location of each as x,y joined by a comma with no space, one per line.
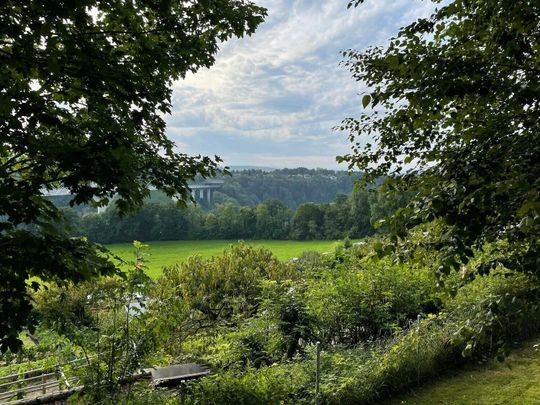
205,192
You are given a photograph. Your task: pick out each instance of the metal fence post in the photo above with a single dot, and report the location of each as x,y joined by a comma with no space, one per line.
182,392
318,373
418,319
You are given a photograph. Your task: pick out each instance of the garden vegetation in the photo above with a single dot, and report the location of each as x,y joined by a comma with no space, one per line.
255,321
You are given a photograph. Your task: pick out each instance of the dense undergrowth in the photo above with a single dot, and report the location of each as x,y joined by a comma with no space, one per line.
255,321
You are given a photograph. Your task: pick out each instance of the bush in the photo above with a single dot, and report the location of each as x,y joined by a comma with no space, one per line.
286,383
365,301
227,285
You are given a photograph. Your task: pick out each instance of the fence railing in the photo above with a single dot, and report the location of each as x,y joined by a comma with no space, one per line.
39,382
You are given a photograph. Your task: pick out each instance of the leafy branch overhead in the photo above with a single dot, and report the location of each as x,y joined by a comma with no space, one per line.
458,99
83,90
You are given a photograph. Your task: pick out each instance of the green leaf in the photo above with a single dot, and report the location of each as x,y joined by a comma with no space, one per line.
366,100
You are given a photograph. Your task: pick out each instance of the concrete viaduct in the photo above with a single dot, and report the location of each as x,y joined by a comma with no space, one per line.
199,192
205,191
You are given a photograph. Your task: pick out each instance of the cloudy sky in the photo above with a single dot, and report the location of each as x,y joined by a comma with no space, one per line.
273,98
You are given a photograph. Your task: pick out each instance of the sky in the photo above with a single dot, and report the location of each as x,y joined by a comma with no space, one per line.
272,99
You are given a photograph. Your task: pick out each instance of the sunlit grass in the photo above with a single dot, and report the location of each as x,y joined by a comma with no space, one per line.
514,381
169,253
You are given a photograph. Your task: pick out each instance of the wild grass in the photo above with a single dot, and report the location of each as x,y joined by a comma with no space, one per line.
168,253
514,381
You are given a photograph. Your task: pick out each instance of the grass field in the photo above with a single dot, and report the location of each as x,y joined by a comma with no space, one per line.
514,381
168,253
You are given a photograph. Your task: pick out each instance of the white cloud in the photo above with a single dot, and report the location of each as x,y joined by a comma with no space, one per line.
283,84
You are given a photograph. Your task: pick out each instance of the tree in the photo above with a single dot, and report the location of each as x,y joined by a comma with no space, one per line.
308,222
337,221
383,202
248,222
360,214
229,220
83,89
455,101
211,226
273,220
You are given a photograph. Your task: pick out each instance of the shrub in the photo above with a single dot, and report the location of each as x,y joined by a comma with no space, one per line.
277,384
230,284
367,301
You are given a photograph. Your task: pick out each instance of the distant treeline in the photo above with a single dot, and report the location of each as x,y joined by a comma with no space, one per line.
348,215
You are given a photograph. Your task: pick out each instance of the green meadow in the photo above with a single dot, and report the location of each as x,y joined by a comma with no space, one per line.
168,253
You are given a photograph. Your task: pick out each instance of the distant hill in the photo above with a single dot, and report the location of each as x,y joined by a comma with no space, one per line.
291,186
243,168
249,187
